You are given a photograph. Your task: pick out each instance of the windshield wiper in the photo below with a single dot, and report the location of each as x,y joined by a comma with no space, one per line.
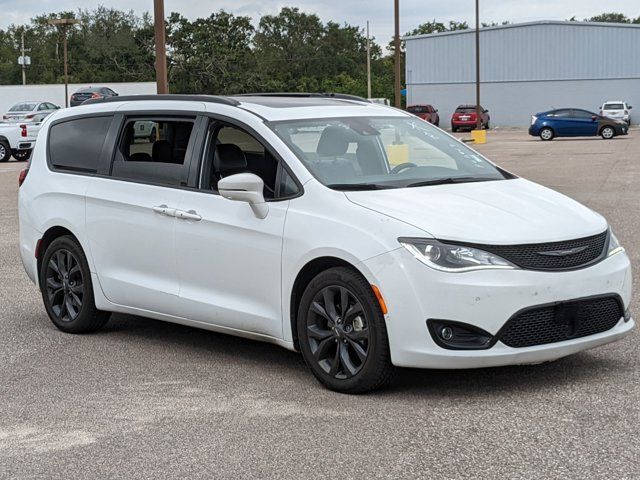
446,180
359,186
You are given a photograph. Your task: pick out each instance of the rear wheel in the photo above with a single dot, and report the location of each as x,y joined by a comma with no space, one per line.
607,132
67,290
342,332
454,129
22,155
5,151
547,134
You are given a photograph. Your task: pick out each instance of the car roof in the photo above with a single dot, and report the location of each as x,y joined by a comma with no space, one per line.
269,107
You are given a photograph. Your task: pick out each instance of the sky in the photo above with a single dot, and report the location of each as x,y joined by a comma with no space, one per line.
354,12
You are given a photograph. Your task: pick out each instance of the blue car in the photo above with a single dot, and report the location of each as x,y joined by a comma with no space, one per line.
574,122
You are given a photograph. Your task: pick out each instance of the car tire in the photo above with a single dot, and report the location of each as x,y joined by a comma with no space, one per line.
22,155
67,289
547,134
454,129
486,126
607,132
5,151
342,332
152,135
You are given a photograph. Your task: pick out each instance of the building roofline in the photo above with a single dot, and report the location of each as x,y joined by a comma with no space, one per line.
525,24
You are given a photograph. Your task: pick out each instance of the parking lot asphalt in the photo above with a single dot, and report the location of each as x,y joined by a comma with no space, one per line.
146,399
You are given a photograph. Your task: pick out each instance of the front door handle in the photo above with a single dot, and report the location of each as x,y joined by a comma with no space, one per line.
190,215
164,210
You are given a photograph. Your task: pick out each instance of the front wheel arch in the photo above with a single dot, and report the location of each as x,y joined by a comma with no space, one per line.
306,274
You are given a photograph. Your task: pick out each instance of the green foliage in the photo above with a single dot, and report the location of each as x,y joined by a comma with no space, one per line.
220,54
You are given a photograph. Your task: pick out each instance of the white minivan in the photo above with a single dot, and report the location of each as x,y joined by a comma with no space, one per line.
355,233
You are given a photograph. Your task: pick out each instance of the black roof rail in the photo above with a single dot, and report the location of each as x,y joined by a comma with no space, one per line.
339,96
180,97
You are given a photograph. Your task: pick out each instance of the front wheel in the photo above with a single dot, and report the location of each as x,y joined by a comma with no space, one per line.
342,332
5,151
546,134
67,290
607,133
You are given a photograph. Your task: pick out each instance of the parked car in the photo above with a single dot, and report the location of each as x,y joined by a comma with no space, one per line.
425,112
617,109
575,122
79,97
23,112
17,140
254,217
465,117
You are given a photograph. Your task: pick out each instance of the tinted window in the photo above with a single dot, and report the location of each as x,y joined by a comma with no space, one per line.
561,113
583,114
418,109
613,106
23,107
77,144
153,151
470,109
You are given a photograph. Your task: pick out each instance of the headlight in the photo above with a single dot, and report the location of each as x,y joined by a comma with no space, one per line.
533,119
453,258
614,245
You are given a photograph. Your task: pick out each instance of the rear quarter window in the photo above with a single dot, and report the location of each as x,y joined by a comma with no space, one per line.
76,145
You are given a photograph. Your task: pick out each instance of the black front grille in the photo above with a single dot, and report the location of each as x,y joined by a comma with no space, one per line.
564,321
552,256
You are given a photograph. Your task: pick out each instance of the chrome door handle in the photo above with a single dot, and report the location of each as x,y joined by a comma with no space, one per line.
190,215
164,210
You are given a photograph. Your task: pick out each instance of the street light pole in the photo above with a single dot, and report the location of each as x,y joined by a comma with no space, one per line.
478,117
368,62
396,8
64,24
162,85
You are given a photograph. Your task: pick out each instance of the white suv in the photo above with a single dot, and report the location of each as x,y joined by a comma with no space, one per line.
617,109
355,233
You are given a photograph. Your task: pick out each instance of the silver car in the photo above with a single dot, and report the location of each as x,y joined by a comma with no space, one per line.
29,112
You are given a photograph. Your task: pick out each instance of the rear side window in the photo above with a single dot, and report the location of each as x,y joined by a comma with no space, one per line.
77,144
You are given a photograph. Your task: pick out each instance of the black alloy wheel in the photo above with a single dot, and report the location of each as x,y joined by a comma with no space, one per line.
67,290
338,333
64,285
342,332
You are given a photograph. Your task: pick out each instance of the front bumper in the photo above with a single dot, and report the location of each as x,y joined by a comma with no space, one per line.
487,299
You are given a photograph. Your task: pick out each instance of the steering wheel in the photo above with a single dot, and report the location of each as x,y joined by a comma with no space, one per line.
403,166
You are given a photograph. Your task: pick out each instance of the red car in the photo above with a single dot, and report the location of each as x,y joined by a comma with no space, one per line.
425,112
465,116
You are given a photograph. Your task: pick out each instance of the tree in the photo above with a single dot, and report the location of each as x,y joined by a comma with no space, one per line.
211,55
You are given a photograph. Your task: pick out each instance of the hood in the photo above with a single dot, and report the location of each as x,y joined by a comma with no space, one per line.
503,212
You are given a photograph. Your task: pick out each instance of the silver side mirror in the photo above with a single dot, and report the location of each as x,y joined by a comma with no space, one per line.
245,187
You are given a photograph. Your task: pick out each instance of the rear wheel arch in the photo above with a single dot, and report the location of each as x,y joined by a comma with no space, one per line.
49,236
304,277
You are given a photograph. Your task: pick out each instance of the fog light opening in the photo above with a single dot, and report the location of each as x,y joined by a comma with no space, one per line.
454,335
627,315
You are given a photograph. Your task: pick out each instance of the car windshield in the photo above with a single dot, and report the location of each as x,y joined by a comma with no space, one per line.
23,107
369,153
613,106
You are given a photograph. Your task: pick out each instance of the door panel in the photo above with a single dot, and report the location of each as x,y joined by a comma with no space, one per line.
133,246
229,263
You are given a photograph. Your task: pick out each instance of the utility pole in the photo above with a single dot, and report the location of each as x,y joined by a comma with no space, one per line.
24,66
64,24
396,8
478,112
368,62
161,53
